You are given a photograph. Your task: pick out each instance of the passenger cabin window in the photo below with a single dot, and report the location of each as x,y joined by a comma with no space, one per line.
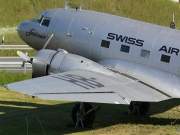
105,43
165,58
125,48
145,53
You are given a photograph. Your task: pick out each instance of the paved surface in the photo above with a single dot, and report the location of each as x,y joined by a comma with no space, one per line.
14,65
15,47
11,59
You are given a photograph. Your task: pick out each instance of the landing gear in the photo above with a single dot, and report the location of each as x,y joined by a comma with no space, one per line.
83,114
33,76
139,108
174,122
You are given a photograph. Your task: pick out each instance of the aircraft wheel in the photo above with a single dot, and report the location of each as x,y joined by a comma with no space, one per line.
139,108
33,76
80,115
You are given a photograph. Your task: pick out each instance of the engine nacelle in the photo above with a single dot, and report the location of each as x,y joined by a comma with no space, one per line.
41,62
49,61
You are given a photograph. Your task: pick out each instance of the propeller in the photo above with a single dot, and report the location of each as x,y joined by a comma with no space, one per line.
24,56
27,58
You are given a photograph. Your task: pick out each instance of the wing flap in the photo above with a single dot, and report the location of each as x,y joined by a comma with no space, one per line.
111,98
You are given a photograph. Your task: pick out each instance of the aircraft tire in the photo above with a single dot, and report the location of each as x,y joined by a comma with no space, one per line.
33,75
139,108
88,119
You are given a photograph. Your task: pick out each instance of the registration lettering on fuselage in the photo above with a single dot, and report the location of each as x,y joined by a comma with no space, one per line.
169,50
81,81
125,39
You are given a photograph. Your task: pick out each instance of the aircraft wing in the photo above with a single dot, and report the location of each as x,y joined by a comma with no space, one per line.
86,86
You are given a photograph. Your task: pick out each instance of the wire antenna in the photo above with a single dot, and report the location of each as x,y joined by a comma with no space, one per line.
80,7
66,4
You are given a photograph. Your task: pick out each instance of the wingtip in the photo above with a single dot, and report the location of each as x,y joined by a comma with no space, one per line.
6,87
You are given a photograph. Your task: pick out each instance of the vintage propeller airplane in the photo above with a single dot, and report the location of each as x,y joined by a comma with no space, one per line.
93,57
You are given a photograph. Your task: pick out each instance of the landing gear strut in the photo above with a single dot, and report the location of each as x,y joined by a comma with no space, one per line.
83,114
139,108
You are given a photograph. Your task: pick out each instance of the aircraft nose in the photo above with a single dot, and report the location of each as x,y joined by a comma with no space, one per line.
22,29
19,28
28,32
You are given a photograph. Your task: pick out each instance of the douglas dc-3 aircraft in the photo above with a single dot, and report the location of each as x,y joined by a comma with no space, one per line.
93,57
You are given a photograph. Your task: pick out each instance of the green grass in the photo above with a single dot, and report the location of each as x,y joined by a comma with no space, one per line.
9,53
9,77
152,11
155,11
13,39
11,36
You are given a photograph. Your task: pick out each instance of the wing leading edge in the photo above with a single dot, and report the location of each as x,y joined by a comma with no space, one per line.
86,86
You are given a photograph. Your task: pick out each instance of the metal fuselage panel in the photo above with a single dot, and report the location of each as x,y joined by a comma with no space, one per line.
81,32
85,30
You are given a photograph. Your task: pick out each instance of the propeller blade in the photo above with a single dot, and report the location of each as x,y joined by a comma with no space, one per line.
24,56
48,41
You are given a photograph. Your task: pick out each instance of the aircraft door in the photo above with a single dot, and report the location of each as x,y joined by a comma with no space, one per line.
83,29
62,26
81,35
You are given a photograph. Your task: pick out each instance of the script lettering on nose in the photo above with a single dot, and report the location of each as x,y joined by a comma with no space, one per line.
35,34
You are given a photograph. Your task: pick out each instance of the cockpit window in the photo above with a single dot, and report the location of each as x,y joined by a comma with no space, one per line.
45,21
40,18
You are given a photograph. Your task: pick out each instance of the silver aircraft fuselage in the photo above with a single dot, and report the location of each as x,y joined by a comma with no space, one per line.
99,36
142,50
